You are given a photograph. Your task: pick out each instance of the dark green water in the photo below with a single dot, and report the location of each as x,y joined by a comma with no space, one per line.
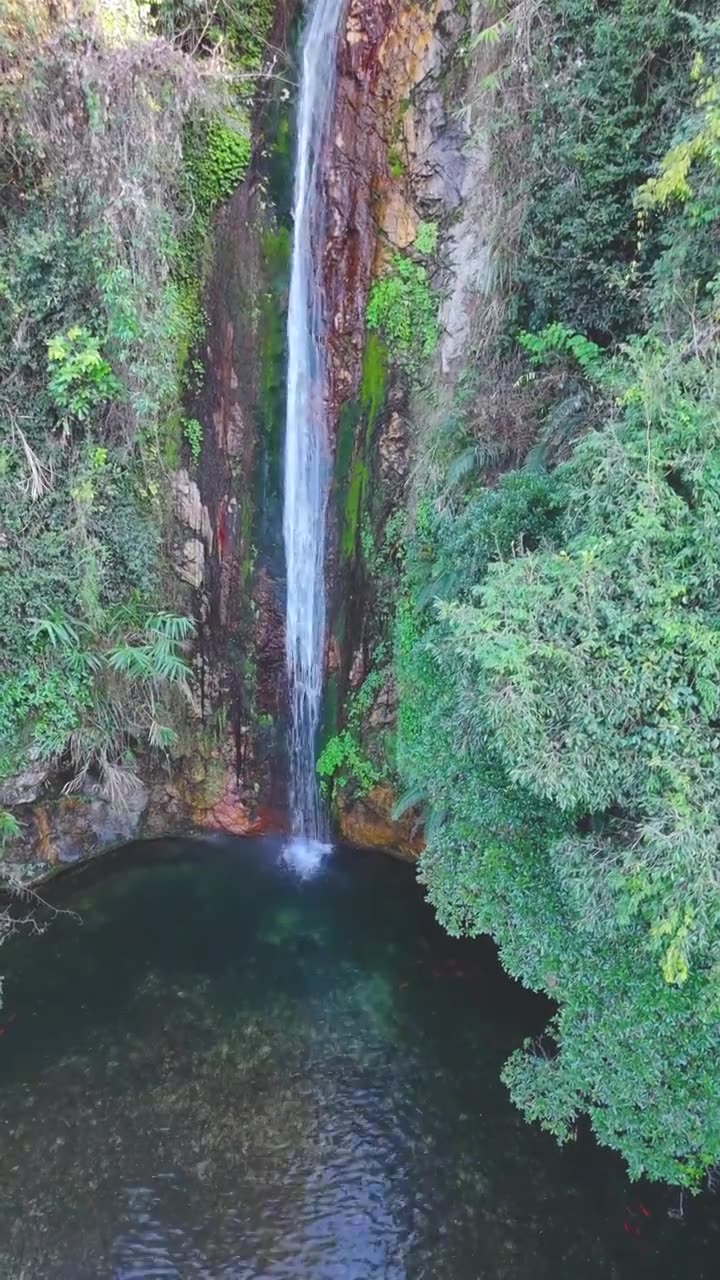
223,1072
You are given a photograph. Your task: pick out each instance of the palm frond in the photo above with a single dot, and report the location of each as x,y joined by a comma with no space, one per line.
411,799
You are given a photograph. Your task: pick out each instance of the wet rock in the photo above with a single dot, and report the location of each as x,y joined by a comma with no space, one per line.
24,787
367,823
190,562
188,506
112,823
393,453
397,157
384,709
438,159
399,220
45,845
357,669
269,643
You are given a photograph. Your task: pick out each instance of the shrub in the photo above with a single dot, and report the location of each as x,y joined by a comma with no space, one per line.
402,309
557,717
599,122
193,432
557,650
342,762
81,379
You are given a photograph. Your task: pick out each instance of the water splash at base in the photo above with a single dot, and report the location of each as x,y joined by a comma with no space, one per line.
305,856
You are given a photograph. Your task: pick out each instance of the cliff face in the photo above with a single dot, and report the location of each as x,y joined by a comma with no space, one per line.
396,161
223,525
396,158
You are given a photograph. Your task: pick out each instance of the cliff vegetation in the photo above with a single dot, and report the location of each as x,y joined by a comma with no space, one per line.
122,127
557,649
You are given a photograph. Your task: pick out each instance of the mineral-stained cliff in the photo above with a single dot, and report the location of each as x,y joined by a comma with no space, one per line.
396,161
396,157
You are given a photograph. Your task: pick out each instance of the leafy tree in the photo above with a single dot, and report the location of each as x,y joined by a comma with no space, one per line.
558,663
607,85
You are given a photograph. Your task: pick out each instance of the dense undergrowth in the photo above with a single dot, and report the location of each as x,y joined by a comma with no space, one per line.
122,126
557,638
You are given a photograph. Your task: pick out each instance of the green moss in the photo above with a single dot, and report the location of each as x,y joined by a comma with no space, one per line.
278,153
374,378
353,509
172,440
396,162
276,250
347,426
246,527
281,146
276,245
217,156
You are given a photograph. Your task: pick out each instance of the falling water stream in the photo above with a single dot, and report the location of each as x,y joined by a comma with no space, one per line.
306,441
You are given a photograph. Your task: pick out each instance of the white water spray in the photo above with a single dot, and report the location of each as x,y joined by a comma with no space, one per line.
307,455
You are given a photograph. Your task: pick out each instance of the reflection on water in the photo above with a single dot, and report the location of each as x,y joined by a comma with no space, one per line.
230,1072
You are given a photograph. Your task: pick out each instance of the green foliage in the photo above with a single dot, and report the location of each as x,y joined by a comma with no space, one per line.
403,310
217,156
673,181
557,653
557,717
80,378
599,122
216,142
99,310
193,433
426,239
396,162
555,341
681,207
9,827
231,32
157,657
342,762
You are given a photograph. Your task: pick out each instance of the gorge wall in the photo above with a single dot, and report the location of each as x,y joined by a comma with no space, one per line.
396,164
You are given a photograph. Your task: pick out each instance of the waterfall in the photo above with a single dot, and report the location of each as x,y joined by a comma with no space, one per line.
307,454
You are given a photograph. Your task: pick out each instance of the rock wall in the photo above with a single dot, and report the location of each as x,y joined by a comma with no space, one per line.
225,530
397,160
237,503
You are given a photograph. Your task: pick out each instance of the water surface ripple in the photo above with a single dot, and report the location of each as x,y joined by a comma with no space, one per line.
228,1073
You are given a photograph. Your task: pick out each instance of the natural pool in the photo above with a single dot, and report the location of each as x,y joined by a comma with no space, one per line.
227,1072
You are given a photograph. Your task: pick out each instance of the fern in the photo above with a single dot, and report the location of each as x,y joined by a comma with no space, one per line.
9,827
556,340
